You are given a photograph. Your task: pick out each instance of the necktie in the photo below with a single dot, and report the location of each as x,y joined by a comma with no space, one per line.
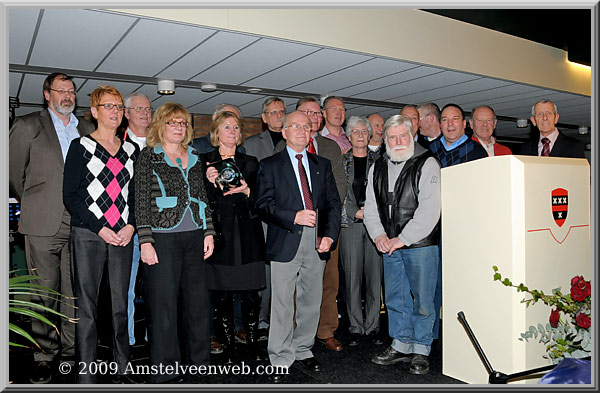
304,182
545,147
311,146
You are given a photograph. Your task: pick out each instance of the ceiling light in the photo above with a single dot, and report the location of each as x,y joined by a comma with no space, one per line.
253,90
522,123
583,130
166,87
208,87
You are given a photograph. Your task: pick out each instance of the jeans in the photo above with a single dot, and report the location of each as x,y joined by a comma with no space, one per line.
410,278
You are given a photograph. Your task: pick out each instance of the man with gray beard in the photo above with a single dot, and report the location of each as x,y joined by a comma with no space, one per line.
402,213
38,145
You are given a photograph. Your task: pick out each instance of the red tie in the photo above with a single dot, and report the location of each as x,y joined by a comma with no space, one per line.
311,146
304,181
545,147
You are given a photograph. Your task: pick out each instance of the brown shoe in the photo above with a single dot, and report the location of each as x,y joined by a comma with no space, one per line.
215,346
331,343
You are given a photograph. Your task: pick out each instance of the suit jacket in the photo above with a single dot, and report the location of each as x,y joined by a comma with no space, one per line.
260,145
36,172
327,148
563,147
278,200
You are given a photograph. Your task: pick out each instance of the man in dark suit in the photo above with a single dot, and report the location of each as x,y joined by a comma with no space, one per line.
329,149
293,185
38,144
550,142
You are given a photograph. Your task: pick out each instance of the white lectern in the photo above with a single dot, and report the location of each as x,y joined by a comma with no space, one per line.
530,216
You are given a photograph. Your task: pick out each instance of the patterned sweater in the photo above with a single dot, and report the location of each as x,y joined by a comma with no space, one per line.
467,151
165,191
97,187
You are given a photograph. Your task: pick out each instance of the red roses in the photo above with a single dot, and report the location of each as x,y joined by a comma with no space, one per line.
583,320
554,317
580,289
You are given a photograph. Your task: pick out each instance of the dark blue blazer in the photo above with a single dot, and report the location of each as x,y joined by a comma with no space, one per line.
278,200
563,147
203,146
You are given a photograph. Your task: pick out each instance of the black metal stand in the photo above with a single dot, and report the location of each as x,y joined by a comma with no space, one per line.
497,377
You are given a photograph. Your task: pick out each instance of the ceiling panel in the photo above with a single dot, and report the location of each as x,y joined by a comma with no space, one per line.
263,56
77,39
31,89
323,62
151,46
354,75
21,24
14,80
387,86
219,46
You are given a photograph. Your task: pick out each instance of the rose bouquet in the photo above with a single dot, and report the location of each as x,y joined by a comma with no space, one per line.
567,333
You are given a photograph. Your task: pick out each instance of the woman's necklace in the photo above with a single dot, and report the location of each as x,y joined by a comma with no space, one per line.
224,156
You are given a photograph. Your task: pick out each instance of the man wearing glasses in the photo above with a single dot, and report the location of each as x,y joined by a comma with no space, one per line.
261,146
292,187
38,144
138,113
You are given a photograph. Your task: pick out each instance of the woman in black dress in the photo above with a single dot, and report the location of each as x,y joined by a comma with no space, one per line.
237,265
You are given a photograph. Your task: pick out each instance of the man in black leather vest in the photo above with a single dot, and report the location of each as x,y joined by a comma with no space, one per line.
402,213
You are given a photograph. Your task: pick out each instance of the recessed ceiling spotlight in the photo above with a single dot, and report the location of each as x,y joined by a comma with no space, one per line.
208,87
254,90
582,130
166,87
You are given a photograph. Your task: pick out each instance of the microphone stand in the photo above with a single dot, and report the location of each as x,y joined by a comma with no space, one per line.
497,377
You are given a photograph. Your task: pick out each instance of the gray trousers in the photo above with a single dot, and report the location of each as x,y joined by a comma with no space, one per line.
265,294
359,258
48,257
304,274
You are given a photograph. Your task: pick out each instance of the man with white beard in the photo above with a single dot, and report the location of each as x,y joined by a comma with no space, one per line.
402,213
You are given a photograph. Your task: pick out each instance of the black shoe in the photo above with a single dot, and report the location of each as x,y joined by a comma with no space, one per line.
277,378
375,338
391,356
42,373
311,364
419,365
354,339
263,334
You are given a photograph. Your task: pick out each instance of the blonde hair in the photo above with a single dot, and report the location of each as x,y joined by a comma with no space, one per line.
102,90
167,112
219,119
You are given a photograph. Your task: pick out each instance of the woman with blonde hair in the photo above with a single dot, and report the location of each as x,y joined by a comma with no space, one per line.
176,235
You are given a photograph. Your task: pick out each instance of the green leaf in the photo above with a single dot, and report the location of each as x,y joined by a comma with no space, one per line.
32,314
495,268
14,328
497,277
507,282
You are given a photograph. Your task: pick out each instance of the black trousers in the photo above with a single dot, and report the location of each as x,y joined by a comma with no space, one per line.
176,287
89,255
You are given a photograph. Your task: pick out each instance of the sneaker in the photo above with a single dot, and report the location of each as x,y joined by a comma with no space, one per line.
240,336
391,356
419,365
215,346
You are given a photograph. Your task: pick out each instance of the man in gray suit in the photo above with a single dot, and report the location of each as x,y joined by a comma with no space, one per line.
262,146
38,144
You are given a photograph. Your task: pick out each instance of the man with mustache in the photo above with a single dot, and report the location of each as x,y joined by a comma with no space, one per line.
38,145
402,212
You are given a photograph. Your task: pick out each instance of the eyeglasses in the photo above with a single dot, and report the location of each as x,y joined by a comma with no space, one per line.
312,113
178,123
274,113
141,109
108,106
62,92
297,127
356,131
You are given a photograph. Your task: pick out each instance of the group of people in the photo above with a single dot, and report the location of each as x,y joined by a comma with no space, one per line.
314,199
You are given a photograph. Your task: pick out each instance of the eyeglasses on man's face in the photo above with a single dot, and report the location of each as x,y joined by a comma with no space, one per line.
276,113
109,106
297,127
177,123
356,131
63,92
141,108
312,113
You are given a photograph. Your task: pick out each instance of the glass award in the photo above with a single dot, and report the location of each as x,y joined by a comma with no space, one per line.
229,175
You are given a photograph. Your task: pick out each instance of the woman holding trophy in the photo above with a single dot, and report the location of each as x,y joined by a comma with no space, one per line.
237,264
